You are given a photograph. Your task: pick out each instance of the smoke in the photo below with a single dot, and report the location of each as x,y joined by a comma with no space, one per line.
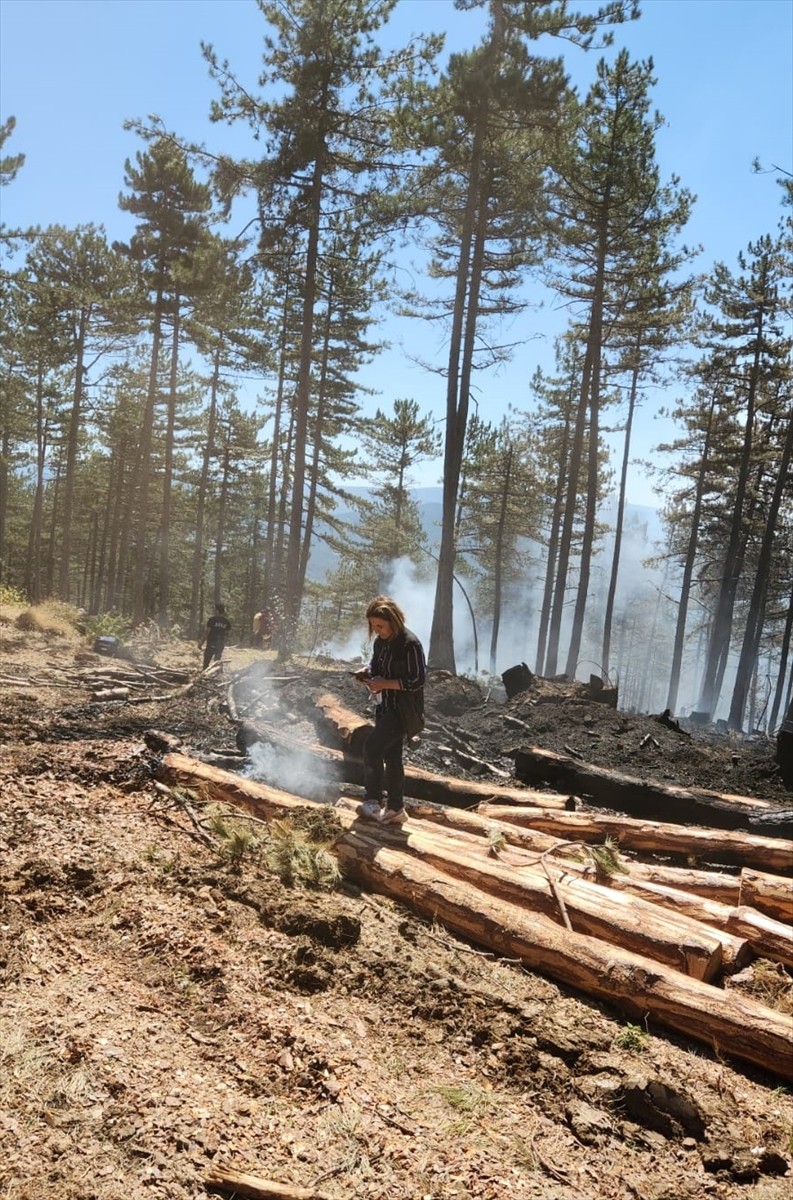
292,771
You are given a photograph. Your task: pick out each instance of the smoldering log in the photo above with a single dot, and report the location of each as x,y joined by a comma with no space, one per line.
638,798
346,767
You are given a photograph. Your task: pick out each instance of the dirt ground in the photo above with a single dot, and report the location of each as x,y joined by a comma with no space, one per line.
170,1008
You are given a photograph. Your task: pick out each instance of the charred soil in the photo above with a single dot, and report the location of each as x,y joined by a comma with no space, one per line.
170,1008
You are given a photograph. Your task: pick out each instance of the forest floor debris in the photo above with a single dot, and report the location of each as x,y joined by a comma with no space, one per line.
171,1008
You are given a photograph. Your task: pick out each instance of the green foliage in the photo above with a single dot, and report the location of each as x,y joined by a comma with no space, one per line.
299,859
107,624
12,595
632,1038
606,859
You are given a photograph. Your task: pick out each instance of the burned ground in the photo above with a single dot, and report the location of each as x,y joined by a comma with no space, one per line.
170,1007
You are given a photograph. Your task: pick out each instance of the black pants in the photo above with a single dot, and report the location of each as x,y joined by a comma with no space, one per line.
212,650
382,759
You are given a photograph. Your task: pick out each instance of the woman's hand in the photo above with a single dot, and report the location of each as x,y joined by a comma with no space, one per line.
377,684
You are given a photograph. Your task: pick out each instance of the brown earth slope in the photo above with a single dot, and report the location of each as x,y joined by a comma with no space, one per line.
171,1008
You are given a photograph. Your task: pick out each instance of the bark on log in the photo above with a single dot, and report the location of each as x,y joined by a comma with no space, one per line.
256,798
345,729
627,794
253,1186
728,1022
713,884
771,939
620,918
709,845
766,937
769,894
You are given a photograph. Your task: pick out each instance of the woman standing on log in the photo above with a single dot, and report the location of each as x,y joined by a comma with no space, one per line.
395,675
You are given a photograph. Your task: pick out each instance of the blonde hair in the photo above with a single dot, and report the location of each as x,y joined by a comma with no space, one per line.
386,609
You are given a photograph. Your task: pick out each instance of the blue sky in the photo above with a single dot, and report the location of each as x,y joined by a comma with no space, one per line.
72,71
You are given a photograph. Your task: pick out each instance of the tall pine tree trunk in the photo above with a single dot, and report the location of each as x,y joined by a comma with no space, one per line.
594,353
784,652
196,573
728,587
605,652
499,566
167,482
754,623
142,481
688,566
293,596
72,439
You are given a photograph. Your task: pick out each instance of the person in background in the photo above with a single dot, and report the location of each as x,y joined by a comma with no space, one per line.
214,640
395,675
263,628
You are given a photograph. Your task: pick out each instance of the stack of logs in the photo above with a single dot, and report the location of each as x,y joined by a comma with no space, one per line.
132,682
512,870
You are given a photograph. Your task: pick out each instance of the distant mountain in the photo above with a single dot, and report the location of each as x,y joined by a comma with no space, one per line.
642,525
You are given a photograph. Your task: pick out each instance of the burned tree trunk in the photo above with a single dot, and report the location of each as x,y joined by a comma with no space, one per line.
653,801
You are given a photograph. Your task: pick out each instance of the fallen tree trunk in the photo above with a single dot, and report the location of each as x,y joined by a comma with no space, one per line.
620,918
766,937
711,845
344,766
654,800
727,1022
712,884
769,894
344,728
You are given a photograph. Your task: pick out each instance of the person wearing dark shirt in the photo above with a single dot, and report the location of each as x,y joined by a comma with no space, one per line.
395,675
214,639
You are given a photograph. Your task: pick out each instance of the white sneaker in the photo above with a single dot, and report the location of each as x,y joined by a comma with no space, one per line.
393,816
370,810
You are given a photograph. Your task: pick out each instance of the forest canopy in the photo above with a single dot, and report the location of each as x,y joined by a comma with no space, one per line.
182,414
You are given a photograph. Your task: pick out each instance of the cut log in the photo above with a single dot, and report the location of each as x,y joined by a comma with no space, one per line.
728,1022
766,937
627,794
713,884
708,845
616,917
344,729
769,894
771,939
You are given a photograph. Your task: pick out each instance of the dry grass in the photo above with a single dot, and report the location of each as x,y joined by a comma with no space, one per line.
51,619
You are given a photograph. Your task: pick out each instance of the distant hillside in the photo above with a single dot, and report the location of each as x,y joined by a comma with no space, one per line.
642,525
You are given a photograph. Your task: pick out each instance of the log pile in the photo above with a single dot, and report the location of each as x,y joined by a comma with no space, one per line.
653,940
132,682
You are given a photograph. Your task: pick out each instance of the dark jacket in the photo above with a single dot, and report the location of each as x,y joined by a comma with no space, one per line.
402,658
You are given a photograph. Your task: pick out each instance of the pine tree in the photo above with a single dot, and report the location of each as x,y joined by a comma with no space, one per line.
171,206
614,221
329,133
